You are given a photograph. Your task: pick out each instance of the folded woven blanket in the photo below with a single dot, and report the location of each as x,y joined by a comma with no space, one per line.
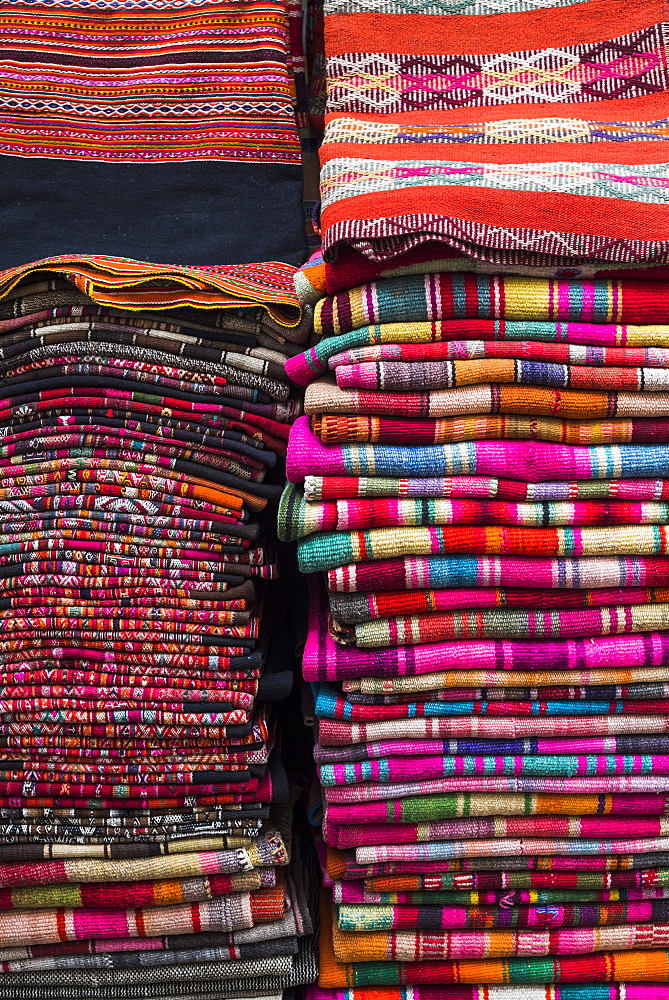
507,624
350,428
298,518
421,572
391,769
559,991
360,918
328,550
225,913
434,375
441,681
408,946
352,609
81,895
325,660
306,367
476,296
267,850
367,835
529,461
330,706
576,404
367,752
441,807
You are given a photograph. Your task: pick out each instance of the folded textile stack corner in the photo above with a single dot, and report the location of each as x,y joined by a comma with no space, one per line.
146,843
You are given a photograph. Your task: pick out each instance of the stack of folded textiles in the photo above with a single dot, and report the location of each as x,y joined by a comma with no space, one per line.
481,481
145,814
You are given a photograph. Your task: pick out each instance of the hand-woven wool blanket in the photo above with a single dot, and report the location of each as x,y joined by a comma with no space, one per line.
516,880
118,282
507,624
390,430
269,974
441,807
338,733
415,946
323,397
225,913
418,335
436,375
528,461
368,792
331,706
395,141
389,769
348,893
331,549
383,836
324,660
616,966
351,609
113,895
421,572
432,918
217,135
465,296
559,991
298,518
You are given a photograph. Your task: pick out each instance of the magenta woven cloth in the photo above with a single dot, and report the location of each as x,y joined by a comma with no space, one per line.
528,461
325,660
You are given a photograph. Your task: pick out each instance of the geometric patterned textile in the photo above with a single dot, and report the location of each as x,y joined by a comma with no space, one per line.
154,130
513,134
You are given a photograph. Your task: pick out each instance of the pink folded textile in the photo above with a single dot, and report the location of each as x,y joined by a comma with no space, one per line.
325,660
589,827
601,785
528,461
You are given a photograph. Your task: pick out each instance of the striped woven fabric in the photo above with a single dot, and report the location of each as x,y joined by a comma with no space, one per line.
348,429
415,946
225,913
389,769
305,368
351,609
345,756
328,550
467,296
435,375
298,518
577,404
596,991
523,157
421,572
528,461
324,660
430,808
330,706
351,918
367,835
178,100
508,624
